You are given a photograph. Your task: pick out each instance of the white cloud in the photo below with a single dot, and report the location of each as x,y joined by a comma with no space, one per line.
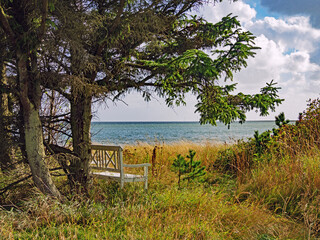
300,62
215,12
290,33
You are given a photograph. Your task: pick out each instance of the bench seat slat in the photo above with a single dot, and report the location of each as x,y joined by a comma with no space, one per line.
127,177
137,165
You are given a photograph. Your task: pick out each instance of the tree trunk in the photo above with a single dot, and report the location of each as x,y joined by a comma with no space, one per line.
5,140
30,97
80,126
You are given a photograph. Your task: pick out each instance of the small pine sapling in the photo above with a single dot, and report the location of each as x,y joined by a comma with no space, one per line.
261,141
195,170
280,121
190,169
179,166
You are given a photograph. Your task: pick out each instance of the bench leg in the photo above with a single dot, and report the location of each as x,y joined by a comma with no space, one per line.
121,184
145,178
146,184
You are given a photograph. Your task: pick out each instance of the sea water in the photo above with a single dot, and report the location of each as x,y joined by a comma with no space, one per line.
124,133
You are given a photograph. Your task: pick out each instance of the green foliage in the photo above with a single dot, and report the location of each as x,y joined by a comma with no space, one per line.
181,67
267,140
241,156
236,159
281,120
196,171
179,166
261,141
286,178
191,170
304,136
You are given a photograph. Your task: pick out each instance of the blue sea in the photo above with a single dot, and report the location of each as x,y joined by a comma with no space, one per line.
127,133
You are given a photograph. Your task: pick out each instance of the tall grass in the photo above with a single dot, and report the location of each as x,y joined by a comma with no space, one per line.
254,190
286,179
162,155
197,211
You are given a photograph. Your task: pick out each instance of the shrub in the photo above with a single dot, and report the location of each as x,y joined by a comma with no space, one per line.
236,159
190,169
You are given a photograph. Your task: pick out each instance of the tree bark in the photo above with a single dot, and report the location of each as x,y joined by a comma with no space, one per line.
30,98
80,127
5,140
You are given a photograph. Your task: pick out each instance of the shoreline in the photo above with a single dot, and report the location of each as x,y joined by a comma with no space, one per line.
170,143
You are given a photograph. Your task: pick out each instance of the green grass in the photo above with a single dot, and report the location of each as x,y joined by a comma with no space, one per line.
221,208
197,212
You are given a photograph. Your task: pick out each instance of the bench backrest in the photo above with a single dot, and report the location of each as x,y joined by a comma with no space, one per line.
107,158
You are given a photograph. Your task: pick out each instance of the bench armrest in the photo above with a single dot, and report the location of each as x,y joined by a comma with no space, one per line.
137,165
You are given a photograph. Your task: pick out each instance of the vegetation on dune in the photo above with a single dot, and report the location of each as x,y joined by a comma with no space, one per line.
165,212
281,171
249,192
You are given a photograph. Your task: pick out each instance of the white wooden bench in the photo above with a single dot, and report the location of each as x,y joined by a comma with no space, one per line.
108,160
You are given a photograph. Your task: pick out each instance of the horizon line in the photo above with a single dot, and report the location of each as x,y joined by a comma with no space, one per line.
171,121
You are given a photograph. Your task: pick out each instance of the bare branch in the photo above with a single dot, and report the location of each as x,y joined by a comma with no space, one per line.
6,188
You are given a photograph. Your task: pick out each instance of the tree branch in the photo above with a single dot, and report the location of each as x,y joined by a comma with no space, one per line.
6,26
117,19
6,188
57,130
43,19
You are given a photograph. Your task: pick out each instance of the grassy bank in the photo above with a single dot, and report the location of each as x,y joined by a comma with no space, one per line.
265,188
212,209
163,213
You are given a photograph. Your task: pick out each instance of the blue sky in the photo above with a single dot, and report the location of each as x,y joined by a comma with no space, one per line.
288,33
262,11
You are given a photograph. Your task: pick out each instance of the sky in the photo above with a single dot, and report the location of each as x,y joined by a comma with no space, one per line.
288,33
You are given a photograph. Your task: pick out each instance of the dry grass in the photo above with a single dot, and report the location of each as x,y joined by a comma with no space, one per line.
289,188
162,155
199,211
270,194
